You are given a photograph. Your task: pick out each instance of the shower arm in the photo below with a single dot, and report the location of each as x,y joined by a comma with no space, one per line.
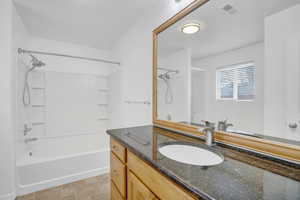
168,70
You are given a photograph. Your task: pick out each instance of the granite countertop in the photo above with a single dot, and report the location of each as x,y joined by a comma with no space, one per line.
242,176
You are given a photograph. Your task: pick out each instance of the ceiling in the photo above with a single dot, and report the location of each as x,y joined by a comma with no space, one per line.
223,31
95,23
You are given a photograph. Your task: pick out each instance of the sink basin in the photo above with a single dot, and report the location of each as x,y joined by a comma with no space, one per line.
191,155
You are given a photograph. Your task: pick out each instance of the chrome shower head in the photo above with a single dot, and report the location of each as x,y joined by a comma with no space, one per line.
36,62
164,76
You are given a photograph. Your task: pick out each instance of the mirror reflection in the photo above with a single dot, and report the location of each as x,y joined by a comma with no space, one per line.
234,64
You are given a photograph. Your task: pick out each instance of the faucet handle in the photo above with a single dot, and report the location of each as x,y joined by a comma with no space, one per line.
228,125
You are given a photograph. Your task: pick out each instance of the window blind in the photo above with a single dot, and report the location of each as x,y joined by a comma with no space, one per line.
236,82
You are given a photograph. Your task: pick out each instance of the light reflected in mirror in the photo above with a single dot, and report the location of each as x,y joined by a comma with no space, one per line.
235,64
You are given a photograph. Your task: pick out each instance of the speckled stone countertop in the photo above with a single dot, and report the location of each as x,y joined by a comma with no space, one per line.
241,176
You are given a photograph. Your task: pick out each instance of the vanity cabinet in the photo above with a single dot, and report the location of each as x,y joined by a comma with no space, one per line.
115,194
137,190
118,174
118,150
134,179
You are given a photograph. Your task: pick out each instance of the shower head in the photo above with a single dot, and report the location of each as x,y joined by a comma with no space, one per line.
164,76
36,62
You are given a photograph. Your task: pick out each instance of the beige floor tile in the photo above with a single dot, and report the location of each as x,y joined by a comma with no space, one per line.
95,188
50,194
27,197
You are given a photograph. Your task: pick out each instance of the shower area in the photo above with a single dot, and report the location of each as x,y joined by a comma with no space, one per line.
166,94
63,113
173,83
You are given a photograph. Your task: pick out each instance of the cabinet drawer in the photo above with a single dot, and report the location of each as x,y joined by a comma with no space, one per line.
118,149
115,195
118,174
161,186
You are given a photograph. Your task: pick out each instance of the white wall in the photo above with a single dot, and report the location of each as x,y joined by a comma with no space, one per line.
246,116
7,105
20,39
282,71
198,96
179,109
135,52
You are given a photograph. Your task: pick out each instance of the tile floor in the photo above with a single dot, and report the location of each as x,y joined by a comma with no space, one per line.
95,188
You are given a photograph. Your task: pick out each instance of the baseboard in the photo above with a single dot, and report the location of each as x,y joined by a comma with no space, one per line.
10,196
27,189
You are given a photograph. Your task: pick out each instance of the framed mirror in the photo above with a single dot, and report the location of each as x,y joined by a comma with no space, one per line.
234,64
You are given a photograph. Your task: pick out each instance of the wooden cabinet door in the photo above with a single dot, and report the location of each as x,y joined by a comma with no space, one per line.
137,190
118,149
115,195
118,174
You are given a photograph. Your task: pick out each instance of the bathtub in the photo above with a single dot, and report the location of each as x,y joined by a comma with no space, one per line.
35,174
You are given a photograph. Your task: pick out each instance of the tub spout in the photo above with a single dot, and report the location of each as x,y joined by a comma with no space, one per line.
27,140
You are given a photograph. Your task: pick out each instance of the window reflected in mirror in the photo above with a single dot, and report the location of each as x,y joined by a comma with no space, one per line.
235,64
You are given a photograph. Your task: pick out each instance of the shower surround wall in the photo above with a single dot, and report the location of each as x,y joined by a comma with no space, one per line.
180,61
69,117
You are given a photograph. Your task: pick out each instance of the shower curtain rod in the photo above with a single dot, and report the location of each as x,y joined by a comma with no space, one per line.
20,51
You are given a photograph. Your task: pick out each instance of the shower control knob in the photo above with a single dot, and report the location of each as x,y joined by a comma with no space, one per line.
26,129
293,125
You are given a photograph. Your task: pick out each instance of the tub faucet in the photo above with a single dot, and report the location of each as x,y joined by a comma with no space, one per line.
26,129
27,140
209,132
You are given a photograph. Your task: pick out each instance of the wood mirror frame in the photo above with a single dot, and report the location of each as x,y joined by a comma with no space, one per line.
275,149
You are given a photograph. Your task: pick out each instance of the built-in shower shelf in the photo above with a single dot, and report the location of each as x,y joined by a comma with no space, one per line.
38,123
38,105
103,104
103,90
103,119
37,88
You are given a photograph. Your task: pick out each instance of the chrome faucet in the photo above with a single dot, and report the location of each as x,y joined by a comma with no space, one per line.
223,125
209,131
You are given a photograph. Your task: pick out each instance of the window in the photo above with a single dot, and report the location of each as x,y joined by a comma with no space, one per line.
236,82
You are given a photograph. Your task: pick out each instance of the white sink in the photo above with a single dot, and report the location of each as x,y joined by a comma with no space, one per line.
191,155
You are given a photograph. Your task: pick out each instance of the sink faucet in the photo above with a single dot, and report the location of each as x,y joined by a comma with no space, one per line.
209,130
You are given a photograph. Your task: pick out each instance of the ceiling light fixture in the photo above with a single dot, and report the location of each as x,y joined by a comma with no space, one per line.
190,28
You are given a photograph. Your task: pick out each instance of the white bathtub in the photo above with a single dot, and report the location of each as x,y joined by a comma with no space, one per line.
36,174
